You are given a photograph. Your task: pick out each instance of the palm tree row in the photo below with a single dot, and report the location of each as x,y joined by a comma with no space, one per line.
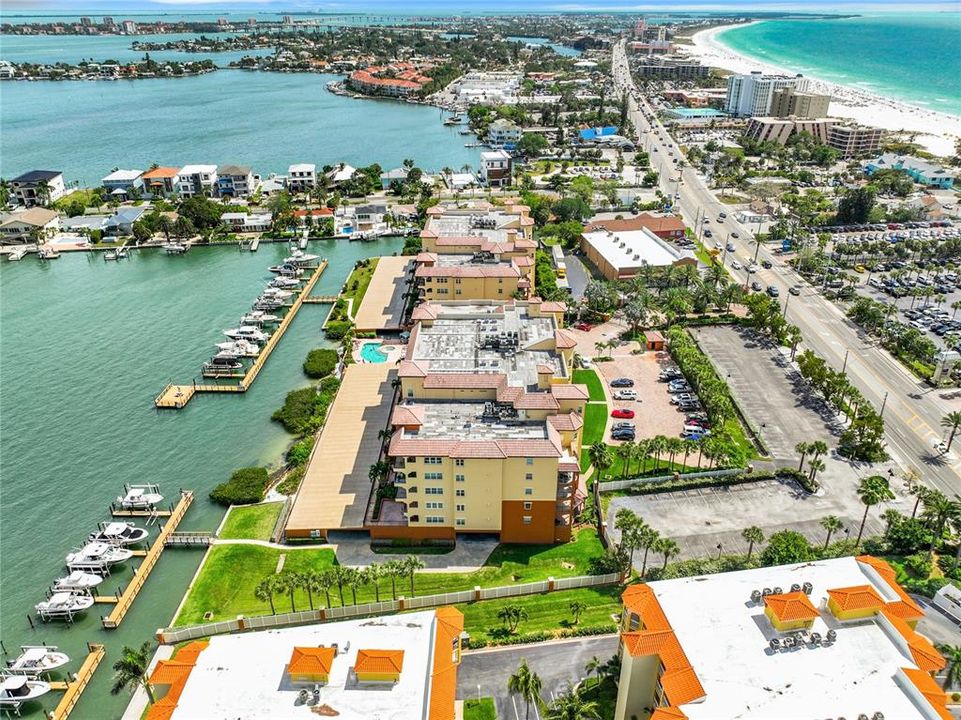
337,579
636,534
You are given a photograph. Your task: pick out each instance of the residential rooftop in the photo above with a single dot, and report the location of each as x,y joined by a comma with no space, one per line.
629,249
242,170
122,175
35,176
465,421
873,666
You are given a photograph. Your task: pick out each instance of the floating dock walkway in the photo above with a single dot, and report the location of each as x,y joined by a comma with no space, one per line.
177,396
73,689
142,572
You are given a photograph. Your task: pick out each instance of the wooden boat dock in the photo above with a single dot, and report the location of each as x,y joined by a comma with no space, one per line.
73,689
175,396
142,572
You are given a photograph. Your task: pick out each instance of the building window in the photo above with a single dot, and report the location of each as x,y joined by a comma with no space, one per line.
527,519
315,533
528,491
529,477
460,508
528,505
433,476
435,519
434,505
459,462
459,478
530,461
461,522
432,461
460,492
433,490
410,394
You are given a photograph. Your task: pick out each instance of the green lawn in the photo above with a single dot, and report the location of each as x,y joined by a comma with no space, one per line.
603,693
594,386
226,584
595,420
251,522
549,612
362,276
482,709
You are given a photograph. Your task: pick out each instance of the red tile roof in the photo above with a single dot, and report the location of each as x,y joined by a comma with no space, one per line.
568,422
564,391
932,692
407,415
564,340
161,172
857,597
443,677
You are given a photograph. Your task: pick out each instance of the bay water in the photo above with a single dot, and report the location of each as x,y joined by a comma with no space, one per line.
86,345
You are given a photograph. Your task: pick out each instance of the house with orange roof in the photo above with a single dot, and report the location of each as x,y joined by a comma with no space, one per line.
821,639
161,181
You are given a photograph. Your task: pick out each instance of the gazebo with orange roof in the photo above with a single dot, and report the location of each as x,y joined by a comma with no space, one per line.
311,664
790,611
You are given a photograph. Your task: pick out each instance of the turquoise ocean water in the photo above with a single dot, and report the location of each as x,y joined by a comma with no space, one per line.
913,58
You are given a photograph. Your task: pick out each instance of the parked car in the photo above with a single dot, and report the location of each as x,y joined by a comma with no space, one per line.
586,363
679,388
766,264
622,382
584,326
622,424
730,247
685,405
623,434
683,397
668,374
625,395
622,413
735,264
690,428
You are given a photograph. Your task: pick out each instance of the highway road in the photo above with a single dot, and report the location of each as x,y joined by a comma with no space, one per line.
912,409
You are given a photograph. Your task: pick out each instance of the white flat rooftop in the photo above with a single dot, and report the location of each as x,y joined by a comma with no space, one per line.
244,677
725,637
633,248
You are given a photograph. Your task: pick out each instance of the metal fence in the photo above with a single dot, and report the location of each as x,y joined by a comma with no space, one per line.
631,482
304,617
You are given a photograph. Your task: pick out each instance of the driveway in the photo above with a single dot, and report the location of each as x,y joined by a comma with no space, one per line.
470,552
485,672
577,275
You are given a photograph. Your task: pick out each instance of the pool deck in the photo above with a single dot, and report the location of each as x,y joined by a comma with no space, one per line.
336,486
394,352
383,305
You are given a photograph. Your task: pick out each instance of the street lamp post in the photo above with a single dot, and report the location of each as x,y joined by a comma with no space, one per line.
845,365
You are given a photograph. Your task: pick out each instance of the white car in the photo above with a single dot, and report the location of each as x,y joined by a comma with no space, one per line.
735,264
625,395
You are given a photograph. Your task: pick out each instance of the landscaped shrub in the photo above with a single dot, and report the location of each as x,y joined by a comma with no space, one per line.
337,329
786,547
299,452
244,487
320,363
305,410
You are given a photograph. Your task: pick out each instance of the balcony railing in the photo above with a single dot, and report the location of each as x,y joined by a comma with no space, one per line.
399,463
401,494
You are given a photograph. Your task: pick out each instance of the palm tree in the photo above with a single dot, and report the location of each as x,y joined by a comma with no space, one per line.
570,705
872,490
668,548
527,684
131,669
953,421
310,581
512,615
412,564
814,467
819,448
371,574
802,449
629,525
576,608
353,579
624,452
600,455
288,582
938,510
658,445
392,569
648,539
594,665
832,524
265,591
752,535
952,653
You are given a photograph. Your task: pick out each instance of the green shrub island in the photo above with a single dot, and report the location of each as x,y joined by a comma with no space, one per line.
320,363
244,487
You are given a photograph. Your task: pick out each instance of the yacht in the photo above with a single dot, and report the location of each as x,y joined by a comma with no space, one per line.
35,660
238,348
278,293
299,257
286,283
263,304
119,533
222,364
246,332
140,497
63,605
286,269
259,317
77,582
17,690
97,555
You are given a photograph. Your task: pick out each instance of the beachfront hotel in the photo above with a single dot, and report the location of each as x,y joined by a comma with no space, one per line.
823,639
753,94
397,666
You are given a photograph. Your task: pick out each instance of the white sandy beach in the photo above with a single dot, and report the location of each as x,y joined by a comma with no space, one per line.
936,131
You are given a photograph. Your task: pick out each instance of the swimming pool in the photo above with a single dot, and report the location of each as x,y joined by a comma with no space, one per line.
371,353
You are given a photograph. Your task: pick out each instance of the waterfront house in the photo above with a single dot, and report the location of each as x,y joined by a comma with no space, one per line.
272,184
312,216
235,181
361,218
37,187
244,222
161,181
85,223
33,225
496,168
119,183
341,173
197,180
121,222
503,134
459,180
921,171
301,177
397,174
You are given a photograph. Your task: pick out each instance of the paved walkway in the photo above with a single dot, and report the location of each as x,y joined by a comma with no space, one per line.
383,305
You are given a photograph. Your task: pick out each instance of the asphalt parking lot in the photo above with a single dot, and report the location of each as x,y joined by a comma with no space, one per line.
484,673
768,390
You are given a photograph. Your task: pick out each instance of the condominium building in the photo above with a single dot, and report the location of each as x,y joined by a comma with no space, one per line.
301,177
823,639
487,436
668,68
853,140
396,80
391,666
37,187
788,102
847,138
752,94
468,227
196,180
235,181
481,276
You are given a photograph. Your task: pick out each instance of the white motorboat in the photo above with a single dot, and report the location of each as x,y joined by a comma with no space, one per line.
119,533
286,283
222,364
286,269
274,292
18,689
63,605
97,555
140,497
246,332
111,255
175,248
122,252
264,304
299,257
35,660
259,318
238,348
77,582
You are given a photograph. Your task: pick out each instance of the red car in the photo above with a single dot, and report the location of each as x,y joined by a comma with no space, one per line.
622,413
583,326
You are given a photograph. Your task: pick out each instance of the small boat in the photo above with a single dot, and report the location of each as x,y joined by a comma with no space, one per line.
260,318
97,555
119,533
275,292
299,257
122,252
238,348
222,363
77,582
63,605
18,689
175,248
111,255
286,283
465,132
246,332
140,497
264,304
35,660
49,253
286,269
